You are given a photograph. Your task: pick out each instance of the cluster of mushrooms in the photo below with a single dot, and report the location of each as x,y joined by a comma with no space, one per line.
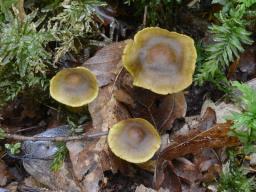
154,53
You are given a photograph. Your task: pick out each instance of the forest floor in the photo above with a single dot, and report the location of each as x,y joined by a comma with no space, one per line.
207,130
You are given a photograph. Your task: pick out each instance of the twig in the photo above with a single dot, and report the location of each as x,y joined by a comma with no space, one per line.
22,13
58,138
114,83
145,16
192,3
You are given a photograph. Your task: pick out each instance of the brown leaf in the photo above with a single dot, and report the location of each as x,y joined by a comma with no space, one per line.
85,157
233,68
104,64
208,119
12,187
90,159
186,170
160,110
193,127
167,178
215,137
248,61
244,68
106,110
142,188
4,174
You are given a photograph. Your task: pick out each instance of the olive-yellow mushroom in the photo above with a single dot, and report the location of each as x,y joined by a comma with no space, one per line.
134,140
160,60
74,87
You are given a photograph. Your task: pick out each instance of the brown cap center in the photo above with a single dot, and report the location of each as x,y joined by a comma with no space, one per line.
136,135
73,79
161,52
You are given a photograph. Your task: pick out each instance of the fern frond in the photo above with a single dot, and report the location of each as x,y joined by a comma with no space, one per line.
228,41
244,124
234,179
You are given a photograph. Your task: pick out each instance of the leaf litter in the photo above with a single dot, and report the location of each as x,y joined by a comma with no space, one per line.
118,99
191,157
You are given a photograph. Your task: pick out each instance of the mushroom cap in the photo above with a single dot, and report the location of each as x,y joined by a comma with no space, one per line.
74,87
134,140
160,60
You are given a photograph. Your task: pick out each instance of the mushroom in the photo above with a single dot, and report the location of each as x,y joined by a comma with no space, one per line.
74,87
134,140
160,60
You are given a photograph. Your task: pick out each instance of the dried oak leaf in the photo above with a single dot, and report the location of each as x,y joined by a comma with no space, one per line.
215,137
203,166
90,159
105,112
160,110
104,64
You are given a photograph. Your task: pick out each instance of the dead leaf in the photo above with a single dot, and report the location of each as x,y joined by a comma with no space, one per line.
142,188
4,174
12,187
208,120
195,125
30,184
40,170
22,112
215,137
233,68
253,159
252,83
246,68
106,110
224,110
160,110
86,158
90,159
167,178
104,64
248,61
199,166
39,167
186,170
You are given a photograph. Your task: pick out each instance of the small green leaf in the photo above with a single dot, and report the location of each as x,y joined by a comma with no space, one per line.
2,134
14,148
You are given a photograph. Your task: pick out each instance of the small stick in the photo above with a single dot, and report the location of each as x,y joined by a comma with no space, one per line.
145,16
192,3
21,10
58,138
